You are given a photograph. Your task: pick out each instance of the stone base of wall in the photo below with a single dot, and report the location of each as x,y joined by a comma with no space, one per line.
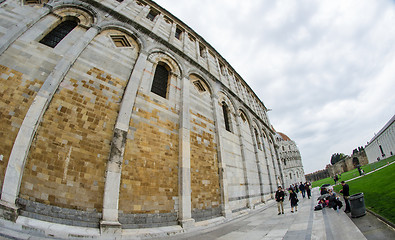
239,209
59,215
201,215
130,221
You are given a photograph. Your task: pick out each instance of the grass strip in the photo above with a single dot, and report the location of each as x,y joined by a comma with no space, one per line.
379,191
354,173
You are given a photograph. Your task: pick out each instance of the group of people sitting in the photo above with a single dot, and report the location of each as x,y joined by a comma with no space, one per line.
328,199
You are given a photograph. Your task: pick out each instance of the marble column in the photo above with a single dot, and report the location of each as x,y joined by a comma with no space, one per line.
226,211
110,223
184,176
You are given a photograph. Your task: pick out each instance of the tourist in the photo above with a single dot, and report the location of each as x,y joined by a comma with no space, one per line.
334,201
296,188
280,200
336,178
302,189
346,195
293,198
323,190
308,189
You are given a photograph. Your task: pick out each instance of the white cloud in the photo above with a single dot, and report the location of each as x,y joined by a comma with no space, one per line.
326,68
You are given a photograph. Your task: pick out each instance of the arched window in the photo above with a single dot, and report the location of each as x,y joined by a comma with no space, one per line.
226,116
161,80
257,139
243,116
59,32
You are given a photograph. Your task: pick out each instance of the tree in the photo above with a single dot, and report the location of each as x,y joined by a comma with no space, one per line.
336,157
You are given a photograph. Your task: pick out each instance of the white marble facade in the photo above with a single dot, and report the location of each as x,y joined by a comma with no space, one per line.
382,145
290,159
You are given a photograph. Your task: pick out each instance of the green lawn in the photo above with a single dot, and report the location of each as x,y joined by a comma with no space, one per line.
379,191
354,173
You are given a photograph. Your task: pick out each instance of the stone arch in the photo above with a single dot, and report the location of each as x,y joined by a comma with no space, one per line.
257,134
157,56
243,116
266,137
86,16
355,161
195,76
83,16
271,137
224,99
130,32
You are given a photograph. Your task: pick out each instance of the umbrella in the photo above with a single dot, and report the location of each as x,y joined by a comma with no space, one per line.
323,196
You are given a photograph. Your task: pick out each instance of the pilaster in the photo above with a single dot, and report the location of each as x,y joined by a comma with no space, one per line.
185,211
254,140
244,159
110,223
226,211
267,165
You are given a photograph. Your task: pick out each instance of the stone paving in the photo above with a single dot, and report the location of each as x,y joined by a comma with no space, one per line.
266,224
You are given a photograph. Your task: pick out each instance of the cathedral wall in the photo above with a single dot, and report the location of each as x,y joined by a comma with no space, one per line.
251,170
206,194
149,183
70,102
67,160
235,171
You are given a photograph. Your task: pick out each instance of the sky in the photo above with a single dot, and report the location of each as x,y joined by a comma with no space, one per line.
326,68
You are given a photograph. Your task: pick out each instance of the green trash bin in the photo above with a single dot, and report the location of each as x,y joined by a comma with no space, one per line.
357,204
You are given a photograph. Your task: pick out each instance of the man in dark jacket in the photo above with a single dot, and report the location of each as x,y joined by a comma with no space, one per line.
346,195
302,189
280,200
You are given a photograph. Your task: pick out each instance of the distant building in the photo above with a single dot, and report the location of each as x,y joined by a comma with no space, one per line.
382,144
290,159
318,175
348,163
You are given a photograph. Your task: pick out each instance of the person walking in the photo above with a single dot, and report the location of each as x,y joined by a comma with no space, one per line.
308,190
346,195
293,198
302,189
336,178
296,188
280,200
